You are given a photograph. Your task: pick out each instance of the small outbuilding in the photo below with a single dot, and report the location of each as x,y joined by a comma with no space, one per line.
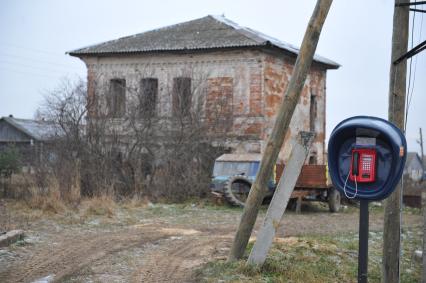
413,167
27,136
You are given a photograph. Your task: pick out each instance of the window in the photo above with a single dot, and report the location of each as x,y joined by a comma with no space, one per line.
181,96
313,113
148,96
116,101
313,158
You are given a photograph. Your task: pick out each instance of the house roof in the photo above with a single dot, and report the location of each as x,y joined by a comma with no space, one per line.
36,129
210,32
411,156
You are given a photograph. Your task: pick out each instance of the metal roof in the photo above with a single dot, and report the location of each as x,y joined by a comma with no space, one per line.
244,157
210,32
36,129
411,156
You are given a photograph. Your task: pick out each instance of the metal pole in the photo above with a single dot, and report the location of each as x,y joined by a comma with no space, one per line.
363,242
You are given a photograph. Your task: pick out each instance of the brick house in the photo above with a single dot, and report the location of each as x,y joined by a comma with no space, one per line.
244,71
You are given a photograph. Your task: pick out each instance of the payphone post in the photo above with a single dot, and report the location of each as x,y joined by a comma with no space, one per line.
366,157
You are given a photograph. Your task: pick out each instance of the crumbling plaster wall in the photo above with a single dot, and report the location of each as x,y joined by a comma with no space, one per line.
277,73
258,83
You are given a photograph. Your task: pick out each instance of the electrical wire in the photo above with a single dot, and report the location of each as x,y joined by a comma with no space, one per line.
407,93
8,56
26,73
52,53
49,69
415,68
409,96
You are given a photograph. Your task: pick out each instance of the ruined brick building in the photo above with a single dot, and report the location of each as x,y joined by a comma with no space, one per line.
242,70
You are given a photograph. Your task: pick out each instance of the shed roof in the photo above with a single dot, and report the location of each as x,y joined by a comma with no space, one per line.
210,32
36,129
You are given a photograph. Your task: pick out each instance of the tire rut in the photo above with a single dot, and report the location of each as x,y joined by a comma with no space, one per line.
175,260
72,255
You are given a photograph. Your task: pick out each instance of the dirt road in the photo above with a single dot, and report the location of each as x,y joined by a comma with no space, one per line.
163,243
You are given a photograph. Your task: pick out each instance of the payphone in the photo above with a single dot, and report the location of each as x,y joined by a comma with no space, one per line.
366,158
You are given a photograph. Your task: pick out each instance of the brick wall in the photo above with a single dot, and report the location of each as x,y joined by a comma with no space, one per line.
245,86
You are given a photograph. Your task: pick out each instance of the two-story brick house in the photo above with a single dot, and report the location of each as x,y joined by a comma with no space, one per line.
243,72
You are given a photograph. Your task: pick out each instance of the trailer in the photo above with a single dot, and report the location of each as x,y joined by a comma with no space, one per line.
233,175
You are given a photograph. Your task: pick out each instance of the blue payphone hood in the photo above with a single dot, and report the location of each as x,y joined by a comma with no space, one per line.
391,148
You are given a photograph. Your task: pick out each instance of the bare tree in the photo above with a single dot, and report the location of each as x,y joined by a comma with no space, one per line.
114,141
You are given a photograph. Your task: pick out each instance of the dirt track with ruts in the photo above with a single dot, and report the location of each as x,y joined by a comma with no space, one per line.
157,244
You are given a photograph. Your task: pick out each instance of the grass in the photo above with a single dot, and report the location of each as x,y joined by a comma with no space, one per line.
315,259
99,206
311,258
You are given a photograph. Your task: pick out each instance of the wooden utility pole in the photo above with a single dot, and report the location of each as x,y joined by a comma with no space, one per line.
420,141
397,89
424,237
421,145
276,139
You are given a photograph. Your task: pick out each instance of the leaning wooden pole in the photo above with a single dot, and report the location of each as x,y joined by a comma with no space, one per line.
397,88
276,139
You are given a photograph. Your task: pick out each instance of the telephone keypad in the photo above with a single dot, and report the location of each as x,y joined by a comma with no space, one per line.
366,162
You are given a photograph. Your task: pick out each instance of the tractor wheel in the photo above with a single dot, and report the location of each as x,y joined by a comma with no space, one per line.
236,190
334,199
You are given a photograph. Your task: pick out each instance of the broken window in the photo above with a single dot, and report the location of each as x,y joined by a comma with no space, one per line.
313,112
181,96
313,158
116,101
148,96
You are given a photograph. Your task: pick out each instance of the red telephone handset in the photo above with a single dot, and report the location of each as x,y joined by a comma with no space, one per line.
363,165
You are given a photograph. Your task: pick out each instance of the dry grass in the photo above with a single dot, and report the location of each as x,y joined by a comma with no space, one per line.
48,200
99,206
136,202
48,204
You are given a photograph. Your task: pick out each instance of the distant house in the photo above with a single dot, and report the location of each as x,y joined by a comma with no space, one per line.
27,136
413,166
215,63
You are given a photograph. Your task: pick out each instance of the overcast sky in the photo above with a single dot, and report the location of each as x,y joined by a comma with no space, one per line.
357,34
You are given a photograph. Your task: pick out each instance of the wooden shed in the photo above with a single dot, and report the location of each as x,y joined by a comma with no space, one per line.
27,136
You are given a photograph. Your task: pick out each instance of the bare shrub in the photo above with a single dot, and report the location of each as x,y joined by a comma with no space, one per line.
99,150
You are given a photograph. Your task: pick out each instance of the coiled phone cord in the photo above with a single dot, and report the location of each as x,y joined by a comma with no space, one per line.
356,187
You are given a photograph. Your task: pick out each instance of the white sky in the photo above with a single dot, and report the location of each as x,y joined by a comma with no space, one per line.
357,34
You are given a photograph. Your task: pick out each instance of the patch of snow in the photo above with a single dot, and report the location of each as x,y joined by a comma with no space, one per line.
47,279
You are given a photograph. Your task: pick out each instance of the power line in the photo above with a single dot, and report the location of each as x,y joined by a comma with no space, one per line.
410,92
49,69
35,60
26,73
32,49
415,63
